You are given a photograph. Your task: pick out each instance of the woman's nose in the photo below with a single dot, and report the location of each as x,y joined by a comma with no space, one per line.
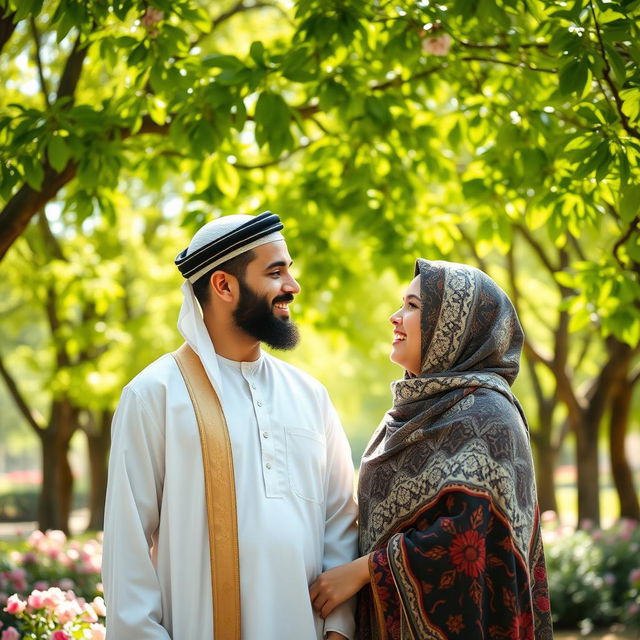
394,318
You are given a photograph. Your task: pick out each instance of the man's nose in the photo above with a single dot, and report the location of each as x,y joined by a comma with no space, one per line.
291,286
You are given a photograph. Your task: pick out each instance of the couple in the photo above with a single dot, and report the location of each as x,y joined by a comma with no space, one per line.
449,540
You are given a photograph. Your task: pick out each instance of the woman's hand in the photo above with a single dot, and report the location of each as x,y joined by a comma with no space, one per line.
335,586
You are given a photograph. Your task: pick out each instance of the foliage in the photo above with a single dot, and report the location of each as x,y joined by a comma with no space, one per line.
386,123
594,575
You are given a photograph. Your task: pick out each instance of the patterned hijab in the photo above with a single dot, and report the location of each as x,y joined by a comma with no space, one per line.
446,492
470,339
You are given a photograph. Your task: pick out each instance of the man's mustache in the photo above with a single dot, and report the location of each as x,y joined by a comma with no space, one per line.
287,297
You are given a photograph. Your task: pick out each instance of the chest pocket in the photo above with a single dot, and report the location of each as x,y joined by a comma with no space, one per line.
306,463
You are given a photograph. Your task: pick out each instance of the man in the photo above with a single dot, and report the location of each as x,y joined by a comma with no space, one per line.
291,460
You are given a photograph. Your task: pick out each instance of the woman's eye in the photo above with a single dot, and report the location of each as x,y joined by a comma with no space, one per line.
413,305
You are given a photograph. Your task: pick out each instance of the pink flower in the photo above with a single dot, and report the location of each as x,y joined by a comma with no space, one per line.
57,537
36,599
59,635
67,611
53,597
98,632
151,17
15,606
634,576
437,46
99,606
88,613
10,633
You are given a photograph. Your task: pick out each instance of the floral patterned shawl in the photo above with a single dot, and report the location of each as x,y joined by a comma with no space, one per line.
447,489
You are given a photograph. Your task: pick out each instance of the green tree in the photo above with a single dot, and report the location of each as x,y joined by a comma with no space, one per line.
378,128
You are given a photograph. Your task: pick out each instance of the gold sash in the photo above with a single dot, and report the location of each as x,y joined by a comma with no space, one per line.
220,495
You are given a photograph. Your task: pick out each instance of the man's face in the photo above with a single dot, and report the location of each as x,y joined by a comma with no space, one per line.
265,293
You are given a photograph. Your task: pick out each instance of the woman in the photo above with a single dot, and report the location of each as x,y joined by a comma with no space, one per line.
449,531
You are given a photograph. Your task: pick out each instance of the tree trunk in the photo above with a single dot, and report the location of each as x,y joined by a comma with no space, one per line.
54,506
620,468
98,445
588,471
546,456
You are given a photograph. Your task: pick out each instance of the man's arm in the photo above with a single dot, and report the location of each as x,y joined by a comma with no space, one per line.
132,515
341,538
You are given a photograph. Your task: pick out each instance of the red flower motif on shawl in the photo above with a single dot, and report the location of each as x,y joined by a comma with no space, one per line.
467,553
540,574
455,624
542,603
522,627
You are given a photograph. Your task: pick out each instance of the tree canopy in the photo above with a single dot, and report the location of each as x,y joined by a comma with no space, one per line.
501,132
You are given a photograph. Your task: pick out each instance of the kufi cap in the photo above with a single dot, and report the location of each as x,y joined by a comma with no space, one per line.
225,238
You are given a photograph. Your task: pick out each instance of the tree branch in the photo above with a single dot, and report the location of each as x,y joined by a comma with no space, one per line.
7,27
633,227
469,242
26,202
509,63
537,247
18,398
43,83
271,163
606,72
72,70
397,82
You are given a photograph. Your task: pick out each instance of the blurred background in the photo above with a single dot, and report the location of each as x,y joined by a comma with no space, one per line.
503,134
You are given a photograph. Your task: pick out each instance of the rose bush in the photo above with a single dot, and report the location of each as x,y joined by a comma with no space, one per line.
28,572
50,586
55,615
594,574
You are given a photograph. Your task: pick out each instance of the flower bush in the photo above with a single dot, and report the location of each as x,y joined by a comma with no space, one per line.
55,587
594,574
594,580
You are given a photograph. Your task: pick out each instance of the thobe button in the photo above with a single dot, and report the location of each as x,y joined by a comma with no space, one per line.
259,403
253,386
265,434
268,465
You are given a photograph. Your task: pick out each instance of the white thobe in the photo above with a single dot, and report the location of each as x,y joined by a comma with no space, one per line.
294,492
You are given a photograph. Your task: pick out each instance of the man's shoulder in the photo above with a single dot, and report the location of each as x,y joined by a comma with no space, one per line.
154,377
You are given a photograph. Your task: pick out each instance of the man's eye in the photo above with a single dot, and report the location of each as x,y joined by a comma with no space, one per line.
275,273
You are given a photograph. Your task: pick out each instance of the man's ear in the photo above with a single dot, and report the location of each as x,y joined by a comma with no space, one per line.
224,286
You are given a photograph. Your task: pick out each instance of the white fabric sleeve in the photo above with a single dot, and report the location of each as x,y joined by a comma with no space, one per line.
132,516
340,537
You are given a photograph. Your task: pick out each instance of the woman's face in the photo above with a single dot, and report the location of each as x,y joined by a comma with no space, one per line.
406,348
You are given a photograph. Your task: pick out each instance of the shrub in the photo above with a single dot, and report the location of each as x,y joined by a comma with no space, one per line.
46,560
594,575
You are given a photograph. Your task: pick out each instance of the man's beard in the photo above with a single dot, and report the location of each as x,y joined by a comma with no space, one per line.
255,316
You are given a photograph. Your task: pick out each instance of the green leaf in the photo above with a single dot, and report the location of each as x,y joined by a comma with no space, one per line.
630,202
33,172
573,77
223,62
138,55
227,179
257,53
58,152
617,64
